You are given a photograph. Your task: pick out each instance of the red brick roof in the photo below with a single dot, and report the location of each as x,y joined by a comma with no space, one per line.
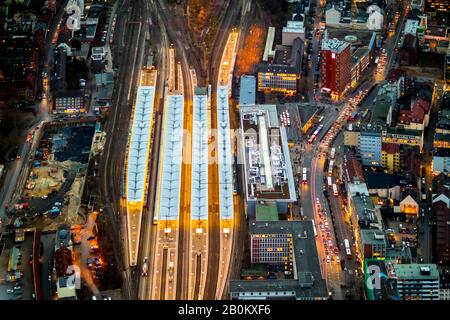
353,168
416,114
63,259
423,104
390,148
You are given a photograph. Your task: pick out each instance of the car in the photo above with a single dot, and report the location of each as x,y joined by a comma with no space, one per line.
328,259
18,157
44,197
57,204
9,290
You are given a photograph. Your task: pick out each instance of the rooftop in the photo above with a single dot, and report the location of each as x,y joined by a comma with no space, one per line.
364,210
387,290
381,108
305,110
266,212
373,237
268,171
363,37
334,45
405,132
247,93
416,271
353,168
380,180
307,282
390,148
275,68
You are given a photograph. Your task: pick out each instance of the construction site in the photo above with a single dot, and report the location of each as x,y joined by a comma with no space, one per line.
57,172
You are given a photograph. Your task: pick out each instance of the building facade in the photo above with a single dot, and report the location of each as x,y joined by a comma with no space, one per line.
416,281
441,233
277,78
68,102
390,157
336,67
370,147
437,5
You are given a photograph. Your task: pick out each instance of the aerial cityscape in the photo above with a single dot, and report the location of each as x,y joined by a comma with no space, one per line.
224,150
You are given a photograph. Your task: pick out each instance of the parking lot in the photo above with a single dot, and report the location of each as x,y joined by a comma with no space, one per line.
7,290
402,233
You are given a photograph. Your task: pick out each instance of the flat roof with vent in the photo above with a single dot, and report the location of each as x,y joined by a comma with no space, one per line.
266,157
334,45
307,282
416,271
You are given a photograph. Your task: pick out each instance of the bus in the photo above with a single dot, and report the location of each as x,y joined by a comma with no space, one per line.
353,116
335,191
330,183
365,113
348,252
314,228
304,178
315,134
330,168
332,153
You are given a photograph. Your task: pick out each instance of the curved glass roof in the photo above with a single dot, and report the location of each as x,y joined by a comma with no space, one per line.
140,143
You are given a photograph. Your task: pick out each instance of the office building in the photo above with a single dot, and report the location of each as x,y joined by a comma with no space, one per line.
292,31
268,172
289,248
374,243
336,67
277,78
416,281
390,157
70,101
441,161
370,147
